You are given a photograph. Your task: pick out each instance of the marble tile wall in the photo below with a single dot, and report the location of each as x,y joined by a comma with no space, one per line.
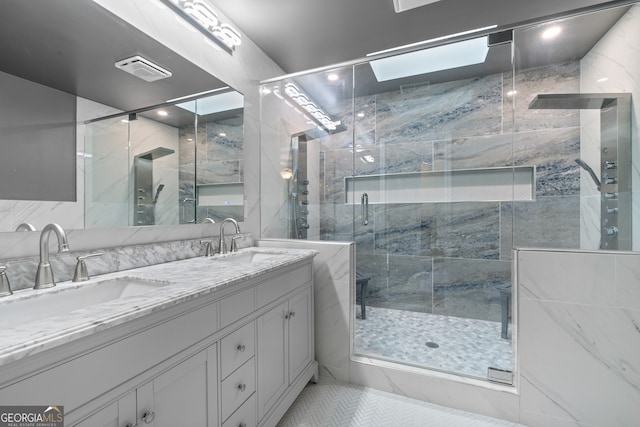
209,158
332,281
578,338
612,67
110,169
456,125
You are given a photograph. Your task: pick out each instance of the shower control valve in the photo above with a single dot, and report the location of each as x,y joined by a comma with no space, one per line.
612,210
611,165
610,195
305,192
305,202
611,181
613,231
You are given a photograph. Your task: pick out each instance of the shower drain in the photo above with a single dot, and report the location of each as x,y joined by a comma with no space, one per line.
431,344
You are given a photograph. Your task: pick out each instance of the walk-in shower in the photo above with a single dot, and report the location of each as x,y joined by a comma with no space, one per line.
437,177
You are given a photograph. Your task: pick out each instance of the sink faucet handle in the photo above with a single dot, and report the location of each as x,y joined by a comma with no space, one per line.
5,287
81,274
234,243
208,251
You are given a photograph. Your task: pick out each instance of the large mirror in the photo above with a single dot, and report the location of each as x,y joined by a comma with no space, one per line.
177,163
69,50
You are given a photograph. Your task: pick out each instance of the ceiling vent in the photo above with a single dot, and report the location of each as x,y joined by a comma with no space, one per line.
143,68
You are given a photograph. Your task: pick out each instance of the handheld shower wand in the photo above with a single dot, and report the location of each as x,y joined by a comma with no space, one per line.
155,199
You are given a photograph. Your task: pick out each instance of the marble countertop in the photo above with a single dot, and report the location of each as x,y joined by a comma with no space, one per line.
187,280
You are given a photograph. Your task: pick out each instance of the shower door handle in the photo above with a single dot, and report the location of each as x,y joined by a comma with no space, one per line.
364,205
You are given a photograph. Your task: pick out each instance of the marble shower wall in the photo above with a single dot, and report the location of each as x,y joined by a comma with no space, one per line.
448,258
112,146
209,158
611,66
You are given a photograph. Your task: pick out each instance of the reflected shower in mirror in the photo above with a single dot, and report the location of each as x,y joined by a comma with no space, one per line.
172,164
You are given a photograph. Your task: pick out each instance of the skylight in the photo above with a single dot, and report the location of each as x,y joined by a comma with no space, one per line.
454,55
402,5
215,104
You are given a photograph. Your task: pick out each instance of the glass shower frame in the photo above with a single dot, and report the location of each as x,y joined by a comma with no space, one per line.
422,251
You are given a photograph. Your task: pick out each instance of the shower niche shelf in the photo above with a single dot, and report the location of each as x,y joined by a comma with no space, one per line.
463,185
223,194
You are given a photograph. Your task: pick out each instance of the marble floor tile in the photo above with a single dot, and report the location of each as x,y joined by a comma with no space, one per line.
331,403
464,346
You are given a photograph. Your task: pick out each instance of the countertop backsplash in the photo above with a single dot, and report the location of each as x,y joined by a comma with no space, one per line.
22,271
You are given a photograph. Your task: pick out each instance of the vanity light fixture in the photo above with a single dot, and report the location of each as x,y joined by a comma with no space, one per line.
200,13
317,114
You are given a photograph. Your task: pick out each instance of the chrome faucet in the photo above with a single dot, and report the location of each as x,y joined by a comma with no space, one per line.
5,288
25,226
222,246
44,275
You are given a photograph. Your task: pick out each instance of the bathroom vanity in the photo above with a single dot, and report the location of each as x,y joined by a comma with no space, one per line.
226,340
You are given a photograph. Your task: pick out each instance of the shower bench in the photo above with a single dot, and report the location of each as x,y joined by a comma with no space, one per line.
363,281
505,305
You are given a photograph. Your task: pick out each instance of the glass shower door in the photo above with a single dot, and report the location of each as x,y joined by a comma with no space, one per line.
431,194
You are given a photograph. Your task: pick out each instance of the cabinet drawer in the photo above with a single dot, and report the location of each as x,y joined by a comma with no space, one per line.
238,387
236,348
245,416
273,289
237,306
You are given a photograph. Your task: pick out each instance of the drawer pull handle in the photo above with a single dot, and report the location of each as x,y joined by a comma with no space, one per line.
242,425
131,425
242,387
148,417
292,314
241,348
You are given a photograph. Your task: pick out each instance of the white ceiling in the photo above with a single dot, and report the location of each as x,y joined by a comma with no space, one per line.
305,34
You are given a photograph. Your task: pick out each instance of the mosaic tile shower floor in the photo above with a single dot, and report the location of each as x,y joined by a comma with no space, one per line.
464,346
330,403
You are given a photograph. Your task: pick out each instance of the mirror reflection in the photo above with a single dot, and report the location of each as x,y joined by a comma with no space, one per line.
173,164
51,62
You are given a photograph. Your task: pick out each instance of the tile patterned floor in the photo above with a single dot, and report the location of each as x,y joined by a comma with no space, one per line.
329,403
465,346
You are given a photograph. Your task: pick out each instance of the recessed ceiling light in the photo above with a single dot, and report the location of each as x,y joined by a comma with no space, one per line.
602,79
162,113
360,114
332,77
222,134
551,32
512,92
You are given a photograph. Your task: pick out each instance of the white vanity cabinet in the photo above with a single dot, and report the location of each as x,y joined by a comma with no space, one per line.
284,348
183,395
234,357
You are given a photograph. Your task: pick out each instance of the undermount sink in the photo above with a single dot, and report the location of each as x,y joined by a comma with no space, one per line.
248,257
66,298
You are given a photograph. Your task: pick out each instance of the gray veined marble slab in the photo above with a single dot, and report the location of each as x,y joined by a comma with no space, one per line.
190,279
